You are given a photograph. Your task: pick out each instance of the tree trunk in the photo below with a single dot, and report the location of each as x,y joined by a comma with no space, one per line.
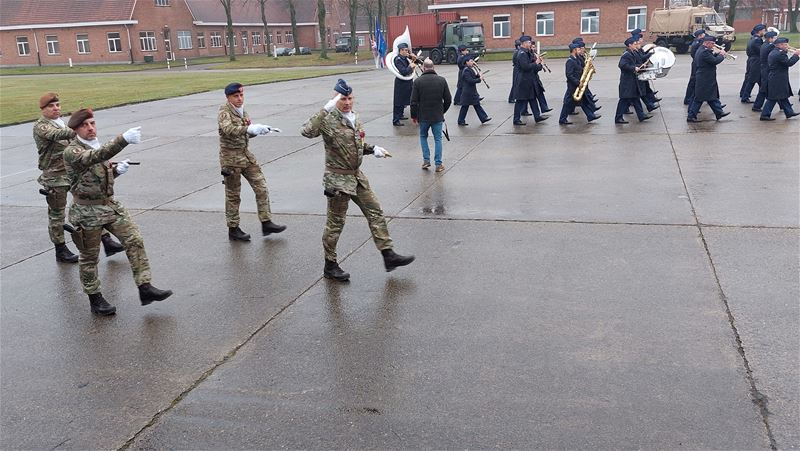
322,30
695,2
293,17
353,37
267,40
380,14
226,5
732,11
793,14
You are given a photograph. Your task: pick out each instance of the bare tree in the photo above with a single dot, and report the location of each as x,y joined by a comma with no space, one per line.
227,5
353,6
793,13
322,31
293,18
267,36
731,11
368,7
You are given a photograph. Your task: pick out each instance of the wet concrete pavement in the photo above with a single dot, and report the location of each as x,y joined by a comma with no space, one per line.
594,286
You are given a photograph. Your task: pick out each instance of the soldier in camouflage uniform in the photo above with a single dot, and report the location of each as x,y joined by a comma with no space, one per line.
235,131
94,208
51,135
343,181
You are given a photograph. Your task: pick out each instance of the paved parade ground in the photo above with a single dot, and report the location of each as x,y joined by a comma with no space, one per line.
590,286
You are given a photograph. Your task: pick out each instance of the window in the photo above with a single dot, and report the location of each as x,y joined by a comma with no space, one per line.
22,46
637,18
256,38
162,2
269,38
52,45
289,37
279,37
201,40
502,26
147,40
545,23
83,43
114,42
184,40
361,41
590,21
216,39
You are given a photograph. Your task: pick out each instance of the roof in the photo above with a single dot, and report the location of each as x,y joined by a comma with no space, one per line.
60,12
452,4
206,12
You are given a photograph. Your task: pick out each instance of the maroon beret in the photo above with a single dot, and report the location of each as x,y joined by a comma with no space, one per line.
47,99
77,118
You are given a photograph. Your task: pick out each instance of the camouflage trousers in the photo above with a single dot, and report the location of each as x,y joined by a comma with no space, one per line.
56,212
233,187
120,225
337,213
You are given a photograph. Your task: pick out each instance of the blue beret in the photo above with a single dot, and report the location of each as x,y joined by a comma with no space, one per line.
630,40
759,27
462,47
574,46
782,41
770,34
636,31
709,38
638,37
233,88
525,38
343,88
402,45
469,57
699,32
578,39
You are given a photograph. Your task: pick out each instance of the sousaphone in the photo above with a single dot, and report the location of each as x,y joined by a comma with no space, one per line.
404,38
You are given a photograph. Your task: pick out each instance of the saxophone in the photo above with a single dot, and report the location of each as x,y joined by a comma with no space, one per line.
588,73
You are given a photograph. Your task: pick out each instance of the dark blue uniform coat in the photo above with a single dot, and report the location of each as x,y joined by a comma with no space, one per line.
402,88
705,87
528,84
754,60
469,87
629,87
764,62
779,64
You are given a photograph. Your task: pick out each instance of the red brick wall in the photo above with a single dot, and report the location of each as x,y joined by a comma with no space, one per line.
567,21
68,46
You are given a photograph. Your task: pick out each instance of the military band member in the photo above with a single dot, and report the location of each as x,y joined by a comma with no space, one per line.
236,160
589,97
763,62
649,97
779,88
574,70
94,209
51,136
402,88
541,99
696,44
460,62
343,134
514,71
470,79
629,87
752,73
527,86
706,88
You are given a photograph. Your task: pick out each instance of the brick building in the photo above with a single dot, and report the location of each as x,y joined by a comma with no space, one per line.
51,32
553,22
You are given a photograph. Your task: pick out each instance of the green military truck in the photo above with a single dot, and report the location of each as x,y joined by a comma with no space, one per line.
438,35
675,27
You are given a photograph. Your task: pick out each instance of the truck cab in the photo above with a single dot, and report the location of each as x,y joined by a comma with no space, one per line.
469,34
712,22
674,27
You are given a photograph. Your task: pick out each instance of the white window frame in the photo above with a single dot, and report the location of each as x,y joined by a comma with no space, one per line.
201,40
361,41
184,39
256,35
589,21
52,44
496,22
641,15
289,37
215,39
147,43
162,2
83,44
23,47
552,20
117,42
279,37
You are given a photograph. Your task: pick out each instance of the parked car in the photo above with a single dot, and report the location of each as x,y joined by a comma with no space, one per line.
303,51
282,51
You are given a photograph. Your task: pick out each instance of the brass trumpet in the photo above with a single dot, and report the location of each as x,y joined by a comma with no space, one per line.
729,56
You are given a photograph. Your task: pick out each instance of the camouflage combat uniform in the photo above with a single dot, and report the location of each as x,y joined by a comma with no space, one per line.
94,208
343,181
51,139
237,160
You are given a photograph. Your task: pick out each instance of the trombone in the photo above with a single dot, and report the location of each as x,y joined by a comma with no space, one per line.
478,71
729,56
541,55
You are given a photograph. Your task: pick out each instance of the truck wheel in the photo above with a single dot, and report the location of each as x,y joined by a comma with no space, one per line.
728,45
451,56
661,42
682,48
436,56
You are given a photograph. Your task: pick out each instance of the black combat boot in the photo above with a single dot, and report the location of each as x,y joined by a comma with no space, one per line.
333,271
392,260
149,293
64,255
109,245
100,306
236,234
268,227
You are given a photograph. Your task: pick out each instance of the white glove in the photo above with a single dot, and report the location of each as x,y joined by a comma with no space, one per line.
332,103
379,152
133,135
254,129
268,129
122,166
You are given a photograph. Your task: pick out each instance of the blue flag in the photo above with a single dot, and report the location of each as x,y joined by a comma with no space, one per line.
380,41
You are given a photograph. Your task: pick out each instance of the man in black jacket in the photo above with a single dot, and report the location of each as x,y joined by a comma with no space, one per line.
706,88
430,99
630,91
752,74
574,71
778,88
763,59
699,35
463,52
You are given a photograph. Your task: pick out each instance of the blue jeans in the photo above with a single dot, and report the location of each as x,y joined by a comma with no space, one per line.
436,128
